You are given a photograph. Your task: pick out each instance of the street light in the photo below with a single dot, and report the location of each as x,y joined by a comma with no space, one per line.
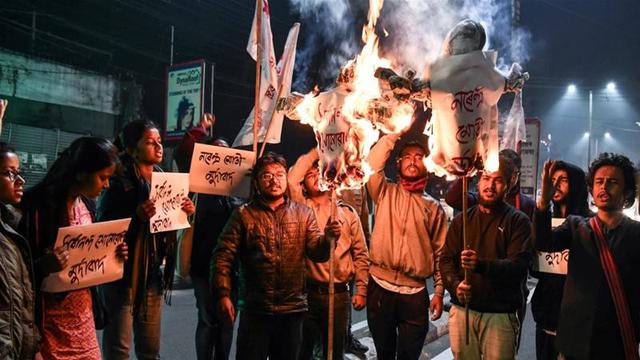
611,87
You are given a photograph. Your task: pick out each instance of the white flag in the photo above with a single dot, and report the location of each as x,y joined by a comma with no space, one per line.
514,126
270,81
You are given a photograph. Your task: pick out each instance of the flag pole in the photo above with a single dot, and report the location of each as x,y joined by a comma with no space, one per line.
258,111
332,245
273,113
465,237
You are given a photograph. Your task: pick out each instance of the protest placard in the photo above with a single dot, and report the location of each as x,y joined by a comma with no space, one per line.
92,255
167,192
554,262
221,171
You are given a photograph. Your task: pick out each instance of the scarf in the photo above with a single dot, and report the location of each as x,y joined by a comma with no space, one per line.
413,185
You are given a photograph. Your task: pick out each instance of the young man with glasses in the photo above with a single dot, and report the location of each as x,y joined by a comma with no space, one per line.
271,236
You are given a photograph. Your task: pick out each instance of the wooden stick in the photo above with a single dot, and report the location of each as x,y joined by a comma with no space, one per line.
465,237
257,110
273,113
332,245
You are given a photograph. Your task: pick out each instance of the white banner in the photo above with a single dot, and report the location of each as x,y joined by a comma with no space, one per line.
221,171
92,255
167,192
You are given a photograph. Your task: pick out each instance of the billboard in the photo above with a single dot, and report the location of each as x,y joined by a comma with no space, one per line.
530,153
189,86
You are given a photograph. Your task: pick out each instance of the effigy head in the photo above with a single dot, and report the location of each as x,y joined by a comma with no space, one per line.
465,37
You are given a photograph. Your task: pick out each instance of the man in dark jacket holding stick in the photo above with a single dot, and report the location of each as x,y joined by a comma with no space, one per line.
497,260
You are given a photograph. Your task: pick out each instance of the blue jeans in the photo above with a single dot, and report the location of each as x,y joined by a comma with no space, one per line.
123,324
210,333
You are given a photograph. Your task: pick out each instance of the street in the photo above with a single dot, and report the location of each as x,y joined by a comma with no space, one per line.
179,324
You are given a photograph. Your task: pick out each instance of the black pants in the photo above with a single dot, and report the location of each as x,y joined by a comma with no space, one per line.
316,323
398,323
277,337
545,345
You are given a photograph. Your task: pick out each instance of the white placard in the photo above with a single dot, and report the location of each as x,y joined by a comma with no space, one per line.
167,192
92,255
219,170
554,262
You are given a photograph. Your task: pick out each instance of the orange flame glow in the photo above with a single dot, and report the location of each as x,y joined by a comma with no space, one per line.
355,106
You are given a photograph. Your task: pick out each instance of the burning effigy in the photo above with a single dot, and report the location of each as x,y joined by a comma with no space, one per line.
348,118
462,87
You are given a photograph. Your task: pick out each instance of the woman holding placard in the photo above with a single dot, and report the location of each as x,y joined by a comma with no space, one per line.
134,303
17,300
65,197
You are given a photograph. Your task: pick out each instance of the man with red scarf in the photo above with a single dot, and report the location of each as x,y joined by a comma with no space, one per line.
408,236
600,309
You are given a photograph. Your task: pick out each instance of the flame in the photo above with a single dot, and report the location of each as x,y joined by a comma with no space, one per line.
366,110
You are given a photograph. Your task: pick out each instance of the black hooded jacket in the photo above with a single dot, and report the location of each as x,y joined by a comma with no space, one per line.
545,303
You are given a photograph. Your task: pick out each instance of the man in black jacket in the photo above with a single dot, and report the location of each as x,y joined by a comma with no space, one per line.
497,260
600,309
570,198
271,236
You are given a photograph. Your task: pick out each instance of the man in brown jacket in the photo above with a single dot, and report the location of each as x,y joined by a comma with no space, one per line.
271,236
351,259
408,236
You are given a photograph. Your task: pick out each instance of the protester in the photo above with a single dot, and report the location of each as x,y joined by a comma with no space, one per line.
134,303
213,337
271,235
408,235
196,134
497,258
513,197
351,261
20,340
65,197
570,198
601,302
358,199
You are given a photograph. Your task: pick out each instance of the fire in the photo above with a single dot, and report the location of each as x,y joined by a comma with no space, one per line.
347,120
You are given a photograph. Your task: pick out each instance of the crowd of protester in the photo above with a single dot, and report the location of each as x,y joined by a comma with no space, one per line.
265,260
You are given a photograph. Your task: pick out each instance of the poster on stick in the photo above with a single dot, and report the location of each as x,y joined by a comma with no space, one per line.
167,192
92,255
221,171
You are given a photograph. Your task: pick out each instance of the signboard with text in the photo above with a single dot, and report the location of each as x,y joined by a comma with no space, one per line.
221,171
184,97
530,153
92,255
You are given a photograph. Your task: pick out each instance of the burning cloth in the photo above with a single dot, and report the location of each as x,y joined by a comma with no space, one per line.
463,131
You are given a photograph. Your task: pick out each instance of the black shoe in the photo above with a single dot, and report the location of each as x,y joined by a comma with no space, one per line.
354,346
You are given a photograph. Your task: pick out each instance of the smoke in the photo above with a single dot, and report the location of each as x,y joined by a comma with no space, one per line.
416,30
329,32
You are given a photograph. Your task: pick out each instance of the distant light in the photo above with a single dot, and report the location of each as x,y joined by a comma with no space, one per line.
607,134
586,134
611,86
549,137
638,123
571,89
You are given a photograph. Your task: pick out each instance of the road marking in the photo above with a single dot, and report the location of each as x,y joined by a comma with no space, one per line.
359,325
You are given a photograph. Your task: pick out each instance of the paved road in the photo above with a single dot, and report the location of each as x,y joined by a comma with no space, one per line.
179,322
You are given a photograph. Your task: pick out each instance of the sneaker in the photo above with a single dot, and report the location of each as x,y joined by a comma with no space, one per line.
354,346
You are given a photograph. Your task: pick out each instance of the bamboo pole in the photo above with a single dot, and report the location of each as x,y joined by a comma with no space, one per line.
332,245
465,237
257,110
273,113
